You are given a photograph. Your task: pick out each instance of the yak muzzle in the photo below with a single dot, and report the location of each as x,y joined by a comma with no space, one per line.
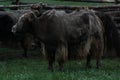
14,29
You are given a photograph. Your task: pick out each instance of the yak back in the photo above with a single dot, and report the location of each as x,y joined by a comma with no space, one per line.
73,27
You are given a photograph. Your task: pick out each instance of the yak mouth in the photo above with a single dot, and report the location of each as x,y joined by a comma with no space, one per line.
14,29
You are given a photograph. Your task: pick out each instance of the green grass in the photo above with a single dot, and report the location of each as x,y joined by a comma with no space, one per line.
58,2
70,3
5,3
14,67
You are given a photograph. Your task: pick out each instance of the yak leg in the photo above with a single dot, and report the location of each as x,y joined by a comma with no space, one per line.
87,50
25,52
89,56
62,54
88,65
100,51
92,50
25,48
96,48
26,43
50,55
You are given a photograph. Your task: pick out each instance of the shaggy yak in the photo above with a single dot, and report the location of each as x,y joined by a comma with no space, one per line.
60,31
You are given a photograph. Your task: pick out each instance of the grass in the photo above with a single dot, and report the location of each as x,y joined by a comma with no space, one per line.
58,2
5,3
14,67
68,3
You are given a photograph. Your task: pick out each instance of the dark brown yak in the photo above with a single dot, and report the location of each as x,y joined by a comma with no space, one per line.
59,31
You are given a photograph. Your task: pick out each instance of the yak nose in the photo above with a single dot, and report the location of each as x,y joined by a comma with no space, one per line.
14,29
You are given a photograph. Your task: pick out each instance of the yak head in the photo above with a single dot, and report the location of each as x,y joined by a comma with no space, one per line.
24,24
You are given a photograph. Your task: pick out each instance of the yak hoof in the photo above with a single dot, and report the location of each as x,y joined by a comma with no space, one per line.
50,69
98,66
25,55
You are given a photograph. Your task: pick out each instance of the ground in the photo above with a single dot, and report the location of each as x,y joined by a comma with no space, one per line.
15,67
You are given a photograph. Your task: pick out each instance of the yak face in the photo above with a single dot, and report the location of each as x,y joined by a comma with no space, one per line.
24,24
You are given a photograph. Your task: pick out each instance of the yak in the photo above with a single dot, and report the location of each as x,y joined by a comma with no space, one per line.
111,32
7,20
60,31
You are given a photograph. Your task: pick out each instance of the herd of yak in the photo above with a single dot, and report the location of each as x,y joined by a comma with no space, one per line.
62,34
